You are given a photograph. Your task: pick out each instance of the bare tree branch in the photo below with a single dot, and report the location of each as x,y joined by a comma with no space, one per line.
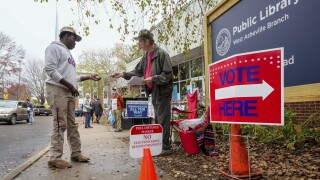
178,23
11,57
35,77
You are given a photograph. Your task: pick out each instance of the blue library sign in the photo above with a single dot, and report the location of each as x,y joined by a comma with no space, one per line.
254,25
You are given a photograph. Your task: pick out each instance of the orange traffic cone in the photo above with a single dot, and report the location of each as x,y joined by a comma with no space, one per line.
238,152
147,171
238,163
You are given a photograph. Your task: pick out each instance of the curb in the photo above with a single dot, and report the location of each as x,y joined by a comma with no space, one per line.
26,164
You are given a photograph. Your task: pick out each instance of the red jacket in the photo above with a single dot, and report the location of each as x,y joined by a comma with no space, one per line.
120,101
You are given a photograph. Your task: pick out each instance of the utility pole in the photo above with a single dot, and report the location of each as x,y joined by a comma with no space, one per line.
57,23
18,98
1,89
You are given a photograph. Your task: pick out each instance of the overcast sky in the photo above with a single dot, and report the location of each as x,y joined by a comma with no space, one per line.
32,25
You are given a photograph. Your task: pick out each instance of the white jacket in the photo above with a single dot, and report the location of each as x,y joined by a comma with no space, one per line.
59,64
86,105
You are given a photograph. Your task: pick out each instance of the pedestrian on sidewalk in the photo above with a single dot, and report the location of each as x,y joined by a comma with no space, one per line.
156,68
30,112
98,110
92,109
117,103
61,90
83,117
87,109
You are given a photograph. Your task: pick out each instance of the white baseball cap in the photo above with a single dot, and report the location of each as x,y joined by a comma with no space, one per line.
70,29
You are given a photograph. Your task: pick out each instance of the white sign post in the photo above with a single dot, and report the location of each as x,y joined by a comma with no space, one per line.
142,136
150,108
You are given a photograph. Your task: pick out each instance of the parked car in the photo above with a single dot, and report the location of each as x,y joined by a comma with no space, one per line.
78,112
41,109
36,110
12,111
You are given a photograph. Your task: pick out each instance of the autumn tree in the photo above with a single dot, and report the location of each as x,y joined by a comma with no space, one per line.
16,91
11,56
125,52
35,77
177,23
100,62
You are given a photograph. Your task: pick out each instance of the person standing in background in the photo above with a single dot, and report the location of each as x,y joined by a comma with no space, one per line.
83,117
98,110
87,109
30,112
92,110
117,103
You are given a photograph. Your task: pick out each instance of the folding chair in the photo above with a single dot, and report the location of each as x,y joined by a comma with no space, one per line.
200,137
191,114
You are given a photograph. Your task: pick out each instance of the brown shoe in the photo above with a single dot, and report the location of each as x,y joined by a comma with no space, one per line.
80,158
60,164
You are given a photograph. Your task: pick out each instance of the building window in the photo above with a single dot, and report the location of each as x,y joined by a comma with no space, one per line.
197,85
188,77
175,92
175,70
184,87
184,71
197,67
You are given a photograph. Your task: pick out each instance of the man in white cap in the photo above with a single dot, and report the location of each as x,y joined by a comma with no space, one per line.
61,90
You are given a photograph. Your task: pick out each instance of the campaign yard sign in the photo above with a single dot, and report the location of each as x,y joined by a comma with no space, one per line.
142,136
137,109
248,88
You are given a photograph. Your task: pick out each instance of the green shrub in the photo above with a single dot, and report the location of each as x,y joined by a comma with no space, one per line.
291,134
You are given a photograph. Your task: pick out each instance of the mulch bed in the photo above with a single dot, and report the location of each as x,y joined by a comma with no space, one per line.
276,160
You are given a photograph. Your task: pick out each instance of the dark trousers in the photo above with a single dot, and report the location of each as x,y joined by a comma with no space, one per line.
162,111
98,117
88,117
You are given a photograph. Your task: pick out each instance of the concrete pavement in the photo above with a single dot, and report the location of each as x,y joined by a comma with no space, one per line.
109,155
20,142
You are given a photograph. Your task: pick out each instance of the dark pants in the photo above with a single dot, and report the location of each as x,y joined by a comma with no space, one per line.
91,116
162,111
98,117
88,117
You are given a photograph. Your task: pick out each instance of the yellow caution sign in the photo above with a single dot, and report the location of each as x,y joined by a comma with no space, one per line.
5,96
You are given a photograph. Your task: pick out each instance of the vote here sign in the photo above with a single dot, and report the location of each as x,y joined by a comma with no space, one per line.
142,136
248,88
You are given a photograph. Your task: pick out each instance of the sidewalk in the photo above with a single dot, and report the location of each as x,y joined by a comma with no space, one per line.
109,155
